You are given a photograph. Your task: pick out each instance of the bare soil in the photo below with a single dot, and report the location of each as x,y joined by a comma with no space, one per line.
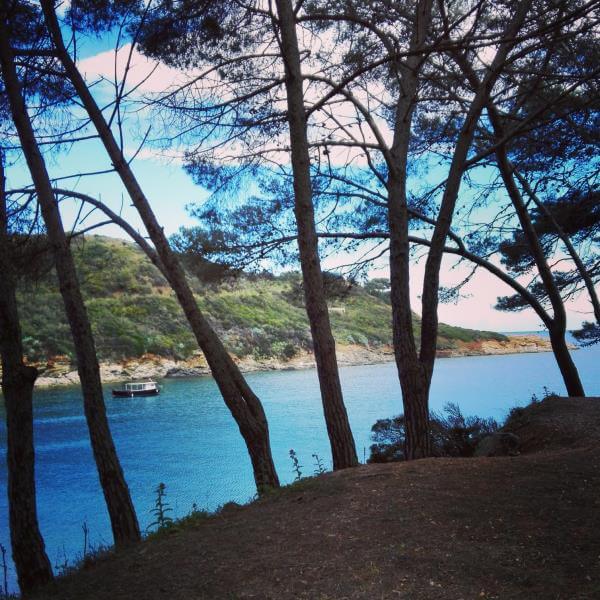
511,527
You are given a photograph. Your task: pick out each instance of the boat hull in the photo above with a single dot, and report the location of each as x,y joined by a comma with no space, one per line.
132,394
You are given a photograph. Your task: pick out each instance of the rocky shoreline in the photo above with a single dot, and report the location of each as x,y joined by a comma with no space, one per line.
61,372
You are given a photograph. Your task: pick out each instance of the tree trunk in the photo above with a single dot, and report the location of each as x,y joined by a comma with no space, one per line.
430,296
116,493
565,362
244,405
342,444
583,271
413,382
28,551
417,442
556,324
558,327
415,373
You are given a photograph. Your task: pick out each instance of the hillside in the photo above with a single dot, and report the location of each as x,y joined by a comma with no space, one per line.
135,313
447,528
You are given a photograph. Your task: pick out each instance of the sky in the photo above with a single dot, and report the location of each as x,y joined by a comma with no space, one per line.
170,189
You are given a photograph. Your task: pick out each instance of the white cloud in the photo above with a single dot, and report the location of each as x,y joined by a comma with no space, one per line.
147,75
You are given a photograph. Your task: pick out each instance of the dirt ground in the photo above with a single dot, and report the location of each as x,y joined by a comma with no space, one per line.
516,527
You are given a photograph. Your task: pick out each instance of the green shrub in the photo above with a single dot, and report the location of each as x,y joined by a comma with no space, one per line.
452,434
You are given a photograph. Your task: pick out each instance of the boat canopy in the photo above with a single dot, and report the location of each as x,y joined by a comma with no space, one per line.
139,387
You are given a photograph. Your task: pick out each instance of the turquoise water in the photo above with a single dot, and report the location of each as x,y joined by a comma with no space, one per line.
187,439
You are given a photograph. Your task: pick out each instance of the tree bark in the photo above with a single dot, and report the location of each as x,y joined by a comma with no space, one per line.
28,549
567,367
413,380
116,493
244,405
341,440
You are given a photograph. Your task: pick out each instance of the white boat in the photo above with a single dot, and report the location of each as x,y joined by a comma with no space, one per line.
141,388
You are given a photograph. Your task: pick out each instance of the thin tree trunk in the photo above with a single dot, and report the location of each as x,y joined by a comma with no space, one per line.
413,380
563,357
244,405
430,296
28,550
342,444
585,275
116,493
556,324
558,327
416,372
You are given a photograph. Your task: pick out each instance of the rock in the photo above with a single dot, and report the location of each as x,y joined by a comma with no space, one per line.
498,444
184,372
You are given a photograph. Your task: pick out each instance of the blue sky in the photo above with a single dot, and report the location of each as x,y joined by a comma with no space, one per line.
168,187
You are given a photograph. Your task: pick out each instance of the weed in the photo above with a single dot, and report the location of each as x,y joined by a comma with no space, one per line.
86,534
161,519
297,467
93,555
195,517
319,467
192,519
195,514
64,567
4,572
547,394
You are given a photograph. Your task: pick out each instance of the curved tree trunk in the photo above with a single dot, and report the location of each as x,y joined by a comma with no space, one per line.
558,327
116,493
28,550
343,449
244,405
557,324
583,271
430,298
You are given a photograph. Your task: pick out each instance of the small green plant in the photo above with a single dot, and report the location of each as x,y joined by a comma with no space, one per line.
161,519
319,467
64,567
196,516
90,555
297,467
547,394
86,539
94,553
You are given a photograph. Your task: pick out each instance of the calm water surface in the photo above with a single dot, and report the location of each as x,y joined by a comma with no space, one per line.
187,439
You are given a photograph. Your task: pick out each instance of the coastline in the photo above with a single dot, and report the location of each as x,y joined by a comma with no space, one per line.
60,372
